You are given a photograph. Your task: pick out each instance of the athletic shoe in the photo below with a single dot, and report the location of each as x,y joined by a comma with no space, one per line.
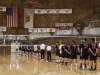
94,69
81,68
90,69
46,61
61,63
70,65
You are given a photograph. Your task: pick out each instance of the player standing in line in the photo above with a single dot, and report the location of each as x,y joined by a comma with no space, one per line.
79,50
60,51
73,53
57,52
63,53
17,48
26,49
20,48
84,53
35,51
29,49
67,52
23,48
93,57
39,51
32,50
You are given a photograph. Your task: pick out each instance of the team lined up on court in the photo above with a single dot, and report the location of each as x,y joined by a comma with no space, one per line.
66,53
36,51
87,52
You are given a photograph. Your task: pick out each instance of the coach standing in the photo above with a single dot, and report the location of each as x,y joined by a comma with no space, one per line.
42,47
48,53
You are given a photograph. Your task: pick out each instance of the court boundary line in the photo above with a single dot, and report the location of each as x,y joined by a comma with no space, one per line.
18,68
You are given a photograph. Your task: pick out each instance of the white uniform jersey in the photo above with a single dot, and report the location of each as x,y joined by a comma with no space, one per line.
17,46
42,46
35,47
60,47
48,48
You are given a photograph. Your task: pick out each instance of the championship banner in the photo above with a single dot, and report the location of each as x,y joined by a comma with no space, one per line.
2,8
64,32
42,30
53,11
48,11
66,11
32,29
39,11
64,26
32,1
57,11
3,29
50,29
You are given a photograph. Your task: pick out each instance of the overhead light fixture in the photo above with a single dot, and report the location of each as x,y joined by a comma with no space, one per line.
17,38
31,37
10,38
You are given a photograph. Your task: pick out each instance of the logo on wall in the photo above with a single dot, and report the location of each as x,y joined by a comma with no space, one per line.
27,18
50,30
41,30
32,30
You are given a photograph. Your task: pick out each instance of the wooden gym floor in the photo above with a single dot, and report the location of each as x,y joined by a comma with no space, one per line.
11,64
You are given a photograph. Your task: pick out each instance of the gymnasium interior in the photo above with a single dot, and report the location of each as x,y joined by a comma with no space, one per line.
27,22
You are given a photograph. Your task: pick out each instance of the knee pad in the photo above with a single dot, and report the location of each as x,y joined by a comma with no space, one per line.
95,61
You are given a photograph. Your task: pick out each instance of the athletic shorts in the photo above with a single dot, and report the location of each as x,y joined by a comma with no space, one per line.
67,55
60,55
28,50
57,52
20,48
81,57
63,54
85,56
16,49
35,51
73,56
92,57
23,49
39,51
32,50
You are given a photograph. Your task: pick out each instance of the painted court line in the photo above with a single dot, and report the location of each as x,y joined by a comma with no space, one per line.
18,68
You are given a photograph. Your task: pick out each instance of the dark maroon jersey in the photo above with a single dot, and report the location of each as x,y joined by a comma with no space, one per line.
93,47
85,46
73,49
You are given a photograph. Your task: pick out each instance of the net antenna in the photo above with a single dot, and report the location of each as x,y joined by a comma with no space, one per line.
93,24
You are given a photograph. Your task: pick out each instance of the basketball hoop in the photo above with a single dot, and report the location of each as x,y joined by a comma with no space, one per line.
91,26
